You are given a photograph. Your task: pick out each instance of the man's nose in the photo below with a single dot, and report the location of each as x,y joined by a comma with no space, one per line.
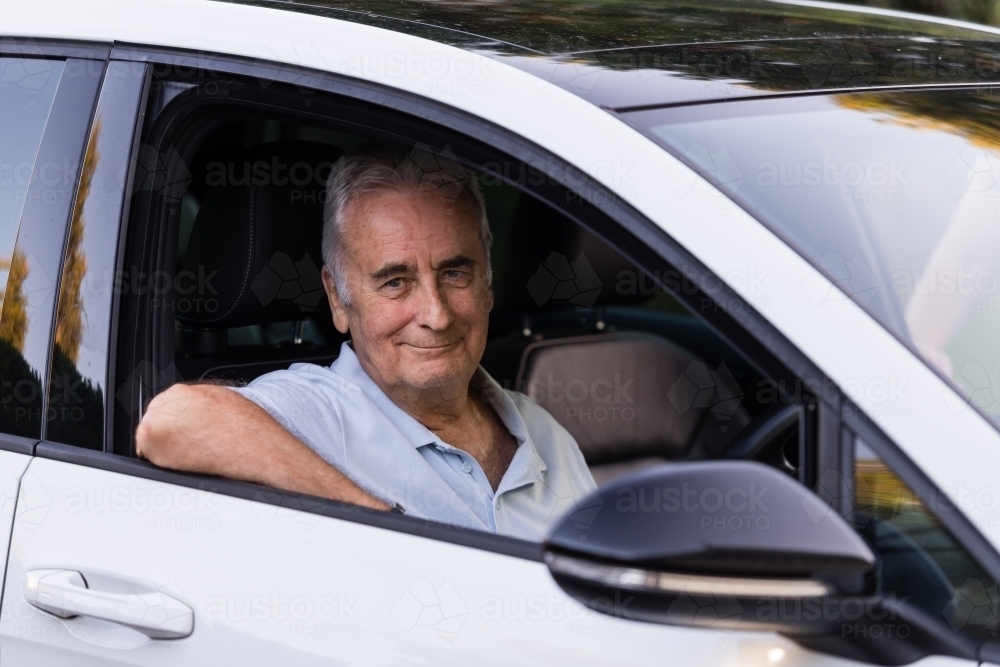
434,311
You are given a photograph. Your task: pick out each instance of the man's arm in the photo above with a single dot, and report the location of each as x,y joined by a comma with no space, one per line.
213,430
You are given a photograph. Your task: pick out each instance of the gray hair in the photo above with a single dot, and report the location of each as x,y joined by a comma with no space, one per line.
372,167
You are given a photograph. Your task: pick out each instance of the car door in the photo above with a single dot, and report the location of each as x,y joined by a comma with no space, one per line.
115,561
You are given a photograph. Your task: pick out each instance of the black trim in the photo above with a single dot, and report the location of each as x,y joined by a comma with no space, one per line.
120,253
45,217
467,537
54,48
992,87
85,94
17,444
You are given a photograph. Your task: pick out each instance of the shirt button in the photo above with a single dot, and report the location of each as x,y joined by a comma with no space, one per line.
466,467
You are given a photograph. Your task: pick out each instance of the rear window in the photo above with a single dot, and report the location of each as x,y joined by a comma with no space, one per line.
27,90
894,196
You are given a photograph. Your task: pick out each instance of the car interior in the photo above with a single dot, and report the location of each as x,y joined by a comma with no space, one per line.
600,342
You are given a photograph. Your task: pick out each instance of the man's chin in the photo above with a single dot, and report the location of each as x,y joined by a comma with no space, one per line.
438,373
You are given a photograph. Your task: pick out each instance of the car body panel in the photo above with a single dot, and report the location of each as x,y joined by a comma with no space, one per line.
12,467
271,584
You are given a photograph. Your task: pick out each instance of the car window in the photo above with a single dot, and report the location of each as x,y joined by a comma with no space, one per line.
27,90
918,560
612,347
894,196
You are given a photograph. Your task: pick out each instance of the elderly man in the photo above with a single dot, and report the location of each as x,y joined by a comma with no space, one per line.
405,418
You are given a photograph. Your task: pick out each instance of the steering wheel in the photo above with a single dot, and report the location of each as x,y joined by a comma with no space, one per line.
772,438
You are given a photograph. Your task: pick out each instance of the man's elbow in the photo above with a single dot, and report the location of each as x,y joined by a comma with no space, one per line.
159,437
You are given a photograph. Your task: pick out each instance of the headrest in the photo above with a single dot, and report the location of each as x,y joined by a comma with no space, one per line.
255,245
548,263
626,395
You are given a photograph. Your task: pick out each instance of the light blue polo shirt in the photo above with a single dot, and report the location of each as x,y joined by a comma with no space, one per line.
341,414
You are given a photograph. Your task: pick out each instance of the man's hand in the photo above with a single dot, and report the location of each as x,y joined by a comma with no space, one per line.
213,430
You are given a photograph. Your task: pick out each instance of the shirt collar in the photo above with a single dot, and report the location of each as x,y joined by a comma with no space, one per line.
526,467
348,367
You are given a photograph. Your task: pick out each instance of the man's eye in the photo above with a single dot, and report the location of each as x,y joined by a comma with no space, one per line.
395,283
455,275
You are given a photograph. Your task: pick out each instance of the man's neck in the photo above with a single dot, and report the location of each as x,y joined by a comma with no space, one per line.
459,418
437,408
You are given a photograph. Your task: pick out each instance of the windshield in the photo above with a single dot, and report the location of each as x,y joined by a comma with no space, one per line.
894,196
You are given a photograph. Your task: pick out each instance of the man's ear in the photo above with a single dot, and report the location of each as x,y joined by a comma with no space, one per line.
337,306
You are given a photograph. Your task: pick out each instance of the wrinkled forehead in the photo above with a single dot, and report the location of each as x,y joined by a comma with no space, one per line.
385,220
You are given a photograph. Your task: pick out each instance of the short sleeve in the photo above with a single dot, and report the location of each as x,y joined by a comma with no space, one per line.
557,447
304,407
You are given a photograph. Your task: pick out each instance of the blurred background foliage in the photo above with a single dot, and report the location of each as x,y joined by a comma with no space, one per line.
977,11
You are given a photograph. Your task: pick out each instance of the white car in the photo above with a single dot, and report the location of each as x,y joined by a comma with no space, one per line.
745,253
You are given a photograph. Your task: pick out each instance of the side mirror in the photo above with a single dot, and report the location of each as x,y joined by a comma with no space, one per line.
737,545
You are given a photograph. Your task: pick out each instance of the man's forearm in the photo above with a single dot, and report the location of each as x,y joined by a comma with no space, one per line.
213,430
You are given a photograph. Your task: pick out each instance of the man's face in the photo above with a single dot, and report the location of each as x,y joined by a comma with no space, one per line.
416,273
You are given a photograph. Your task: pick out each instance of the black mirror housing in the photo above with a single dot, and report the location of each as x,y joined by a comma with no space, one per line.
736,544
714,517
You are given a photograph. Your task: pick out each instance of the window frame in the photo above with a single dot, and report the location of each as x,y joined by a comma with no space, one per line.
728,313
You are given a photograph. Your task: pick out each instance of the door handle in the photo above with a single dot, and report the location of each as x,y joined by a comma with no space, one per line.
64,593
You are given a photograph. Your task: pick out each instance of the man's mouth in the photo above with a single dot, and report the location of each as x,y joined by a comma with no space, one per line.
431,348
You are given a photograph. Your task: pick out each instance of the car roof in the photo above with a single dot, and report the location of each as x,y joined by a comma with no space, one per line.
645,53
